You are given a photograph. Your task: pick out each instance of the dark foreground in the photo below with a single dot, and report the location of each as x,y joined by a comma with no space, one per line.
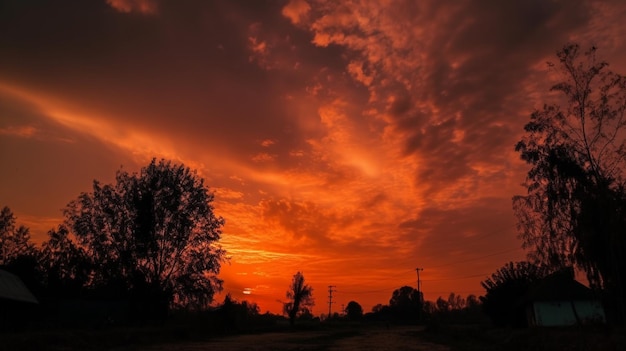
325,337
341,337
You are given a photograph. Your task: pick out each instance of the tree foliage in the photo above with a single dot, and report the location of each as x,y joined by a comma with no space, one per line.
14,241
354,311
456,302
236,315
406,303
300,296
442,304
18,254
575,210
506,287
66,264
151,233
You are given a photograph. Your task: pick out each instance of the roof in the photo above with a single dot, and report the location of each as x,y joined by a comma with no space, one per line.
559,286
12,288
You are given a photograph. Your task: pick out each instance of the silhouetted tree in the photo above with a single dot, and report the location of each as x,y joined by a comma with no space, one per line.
379,312
378,308
506,287
575,209
406,303
66,264
354,311
456,302
152,233
14,241
300,297
237,315
472,302
442,304
18,254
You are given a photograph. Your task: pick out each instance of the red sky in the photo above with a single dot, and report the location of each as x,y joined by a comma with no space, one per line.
351,140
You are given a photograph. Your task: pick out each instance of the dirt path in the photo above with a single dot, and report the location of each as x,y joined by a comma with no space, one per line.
387,340
396,338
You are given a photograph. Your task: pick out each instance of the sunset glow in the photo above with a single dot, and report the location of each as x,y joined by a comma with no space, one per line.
352,141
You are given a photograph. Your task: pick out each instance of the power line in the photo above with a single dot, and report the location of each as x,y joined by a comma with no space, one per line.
457,278
458,292
474,259
372,291
405,272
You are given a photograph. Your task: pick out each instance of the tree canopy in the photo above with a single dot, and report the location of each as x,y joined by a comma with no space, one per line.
354,311
14,241
300,296
151,233
406,303
506,287
574,212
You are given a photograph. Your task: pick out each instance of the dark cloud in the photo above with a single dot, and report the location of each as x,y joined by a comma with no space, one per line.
338,135
48,165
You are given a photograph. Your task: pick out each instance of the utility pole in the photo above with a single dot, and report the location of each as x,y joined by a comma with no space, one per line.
419,294
418,279
330,298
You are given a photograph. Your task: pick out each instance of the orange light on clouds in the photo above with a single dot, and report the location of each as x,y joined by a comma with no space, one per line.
352,142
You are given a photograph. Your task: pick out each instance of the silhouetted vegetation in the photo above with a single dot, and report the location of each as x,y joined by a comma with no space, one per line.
354,311
574,213
132,250
451,310
505,289
150,238
15,242
300,296
405,304
145,247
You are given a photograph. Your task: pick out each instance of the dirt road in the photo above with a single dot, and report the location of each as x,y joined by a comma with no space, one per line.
395,338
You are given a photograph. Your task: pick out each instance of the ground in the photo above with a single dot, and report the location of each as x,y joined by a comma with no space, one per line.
319,336
374,338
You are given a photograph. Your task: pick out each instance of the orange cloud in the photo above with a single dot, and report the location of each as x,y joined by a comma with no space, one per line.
351,140
146,7
20,131
295,10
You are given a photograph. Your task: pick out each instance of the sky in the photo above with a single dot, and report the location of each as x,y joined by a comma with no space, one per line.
353,141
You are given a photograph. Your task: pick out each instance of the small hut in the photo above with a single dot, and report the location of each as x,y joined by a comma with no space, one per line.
16,301
560,300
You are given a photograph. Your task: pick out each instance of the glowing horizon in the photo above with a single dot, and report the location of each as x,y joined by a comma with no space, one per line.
350,141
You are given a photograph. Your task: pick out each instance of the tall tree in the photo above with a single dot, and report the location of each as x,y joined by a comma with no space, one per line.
14,241
300,297
153,233
575,210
